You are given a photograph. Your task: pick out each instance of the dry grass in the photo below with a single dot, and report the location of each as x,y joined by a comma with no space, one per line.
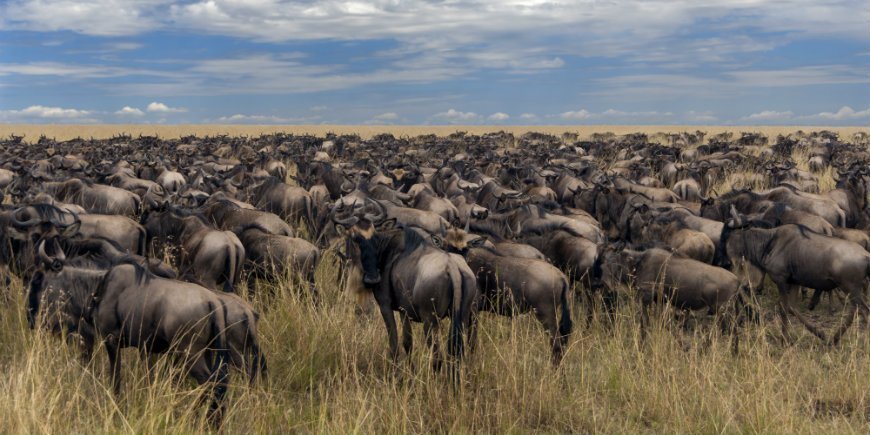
31,132
329,372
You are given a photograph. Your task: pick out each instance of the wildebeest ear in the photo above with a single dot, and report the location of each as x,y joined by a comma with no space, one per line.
388,224
72,229
477,242
341,230
16,234
730,223
437,241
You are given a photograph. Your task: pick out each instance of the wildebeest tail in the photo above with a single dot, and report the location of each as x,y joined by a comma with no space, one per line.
229,275
143,242
459,294
565,323
220,371
258,361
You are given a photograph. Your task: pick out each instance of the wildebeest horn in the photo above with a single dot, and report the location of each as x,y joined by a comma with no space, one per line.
347,186
23,224
347,222
381,211
735,216
53,263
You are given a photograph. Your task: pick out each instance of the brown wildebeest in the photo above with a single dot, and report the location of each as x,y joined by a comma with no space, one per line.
792,256
687,284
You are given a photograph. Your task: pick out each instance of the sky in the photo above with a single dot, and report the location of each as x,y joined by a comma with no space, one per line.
743,62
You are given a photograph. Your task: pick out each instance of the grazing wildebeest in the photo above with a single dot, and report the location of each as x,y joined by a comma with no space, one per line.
130,307
273,256
212,257
687,284
792,256
95,198
511,285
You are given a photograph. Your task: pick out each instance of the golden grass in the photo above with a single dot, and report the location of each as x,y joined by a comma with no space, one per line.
31,132
329,373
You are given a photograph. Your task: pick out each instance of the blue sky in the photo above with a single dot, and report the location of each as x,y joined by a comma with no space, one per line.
436,62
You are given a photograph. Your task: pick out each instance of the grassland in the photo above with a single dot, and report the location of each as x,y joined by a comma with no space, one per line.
31,132
329,373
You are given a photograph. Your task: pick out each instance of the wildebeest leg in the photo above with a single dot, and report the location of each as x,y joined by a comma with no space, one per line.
547,317
784,309
844,325
203,372
392,333
114,351
812,327
814,301
472,331
407,334
644,319
430,330
856,304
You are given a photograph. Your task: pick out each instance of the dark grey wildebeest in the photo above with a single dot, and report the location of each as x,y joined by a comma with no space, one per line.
685,283
408,271
793,256
212,257
512,285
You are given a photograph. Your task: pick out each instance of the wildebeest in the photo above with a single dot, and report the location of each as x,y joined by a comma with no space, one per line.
407,271
792,256
511,285
212,257
661,276
129,307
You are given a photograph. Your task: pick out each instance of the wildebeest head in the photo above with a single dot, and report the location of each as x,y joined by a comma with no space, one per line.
34,233
361,247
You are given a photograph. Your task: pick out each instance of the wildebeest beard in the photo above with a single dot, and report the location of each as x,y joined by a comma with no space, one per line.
369,259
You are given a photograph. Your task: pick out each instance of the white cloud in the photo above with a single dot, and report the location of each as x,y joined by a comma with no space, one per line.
528,116
623,116
54,112
498,116
845,113
163,108
769,115
129,111
89,17
577,114
264,119
389,116
704,116
39,113
454,116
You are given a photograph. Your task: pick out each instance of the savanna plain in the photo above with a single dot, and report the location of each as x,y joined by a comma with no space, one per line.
329,369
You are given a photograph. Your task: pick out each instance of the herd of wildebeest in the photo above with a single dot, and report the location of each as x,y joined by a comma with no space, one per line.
431,227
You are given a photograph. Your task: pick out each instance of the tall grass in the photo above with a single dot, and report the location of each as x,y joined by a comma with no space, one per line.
329,372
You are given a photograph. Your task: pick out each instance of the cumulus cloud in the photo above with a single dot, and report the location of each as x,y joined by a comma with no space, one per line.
576,114
38,113
583,114
845,113
498,116
163,108
389,116
129,111
265,119
528,116
454,116
769,115
703,116
54,112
